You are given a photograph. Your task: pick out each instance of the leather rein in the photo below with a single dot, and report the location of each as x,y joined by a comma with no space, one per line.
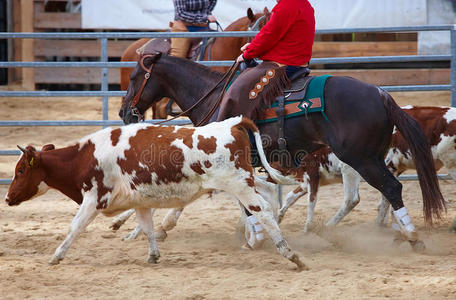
134,109
229,74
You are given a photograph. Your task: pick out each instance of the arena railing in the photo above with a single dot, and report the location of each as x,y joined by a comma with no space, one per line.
104,93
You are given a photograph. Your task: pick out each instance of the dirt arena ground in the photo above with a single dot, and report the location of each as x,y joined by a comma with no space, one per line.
202,257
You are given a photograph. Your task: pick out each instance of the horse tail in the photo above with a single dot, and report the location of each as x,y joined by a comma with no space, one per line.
411,130
274,173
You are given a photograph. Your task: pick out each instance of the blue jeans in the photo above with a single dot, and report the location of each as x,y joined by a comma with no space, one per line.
290,70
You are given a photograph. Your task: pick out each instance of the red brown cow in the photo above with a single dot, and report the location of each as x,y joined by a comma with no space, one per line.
323,167
144,166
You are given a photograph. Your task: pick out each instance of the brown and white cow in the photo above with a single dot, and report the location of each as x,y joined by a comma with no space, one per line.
323,167
144,166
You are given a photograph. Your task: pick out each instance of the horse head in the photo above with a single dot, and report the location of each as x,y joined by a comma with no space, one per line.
141,89
250,22
257,21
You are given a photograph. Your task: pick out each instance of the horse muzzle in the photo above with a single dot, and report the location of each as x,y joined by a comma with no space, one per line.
131,116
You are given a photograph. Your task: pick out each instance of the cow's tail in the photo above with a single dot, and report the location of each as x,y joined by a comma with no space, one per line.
433,202
274,173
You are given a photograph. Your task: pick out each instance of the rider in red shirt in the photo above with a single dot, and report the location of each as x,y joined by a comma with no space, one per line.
285,46
287,38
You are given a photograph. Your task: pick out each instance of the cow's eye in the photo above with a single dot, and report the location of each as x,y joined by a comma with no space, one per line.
20,171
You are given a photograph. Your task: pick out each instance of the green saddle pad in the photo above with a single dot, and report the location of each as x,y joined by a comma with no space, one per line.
313,101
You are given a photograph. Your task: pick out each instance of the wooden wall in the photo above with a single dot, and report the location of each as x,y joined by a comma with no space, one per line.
33,15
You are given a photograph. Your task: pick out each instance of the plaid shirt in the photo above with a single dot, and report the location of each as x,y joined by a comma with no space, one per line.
193,11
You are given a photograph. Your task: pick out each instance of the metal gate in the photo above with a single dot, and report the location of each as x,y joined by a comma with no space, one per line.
104,65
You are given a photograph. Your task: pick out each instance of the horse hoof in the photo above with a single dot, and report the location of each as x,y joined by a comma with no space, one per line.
418,246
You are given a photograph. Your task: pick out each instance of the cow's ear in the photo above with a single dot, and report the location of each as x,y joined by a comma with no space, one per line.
31,156
48,147
250,14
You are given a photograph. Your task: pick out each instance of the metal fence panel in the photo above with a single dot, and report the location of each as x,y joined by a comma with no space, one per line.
105,65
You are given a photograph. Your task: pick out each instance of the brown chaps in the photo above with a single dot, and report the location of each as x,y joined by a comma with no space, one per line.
253,91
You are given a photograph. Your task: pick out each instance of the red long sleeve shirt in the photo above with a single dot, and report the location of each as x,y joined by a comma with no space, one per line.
288,36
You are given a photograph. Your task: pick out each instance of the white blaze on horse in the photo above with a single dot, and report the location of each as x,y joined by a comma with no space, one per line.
143,167
323,167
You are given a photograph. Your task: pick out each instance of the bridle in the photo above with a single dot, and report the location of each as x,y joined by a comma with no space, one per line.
256,25
230,73
135,112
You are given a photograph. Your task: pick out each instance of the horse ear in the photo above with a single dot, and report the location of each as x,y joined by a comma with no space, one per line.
152,58
48,147
266,11
250,14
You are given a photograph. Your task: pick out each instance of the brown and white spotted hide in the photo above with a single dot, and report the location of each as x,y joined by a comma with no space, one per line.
132,164
439,125
144,167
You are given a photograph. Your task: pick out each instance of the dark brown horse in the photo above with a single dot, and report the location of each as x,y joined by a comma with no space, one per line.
361,119
222,49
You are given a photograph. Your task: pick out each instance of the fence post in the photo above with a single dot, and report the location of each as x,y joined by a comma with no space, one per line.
104,78
453,66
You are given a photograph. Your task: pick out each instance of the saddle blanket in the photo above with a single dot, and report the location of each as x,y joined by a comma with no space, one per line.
313,101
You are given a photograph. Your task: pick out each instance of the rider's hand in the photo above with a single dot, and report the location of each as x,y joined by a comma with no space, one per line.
211,18
240,58
244,47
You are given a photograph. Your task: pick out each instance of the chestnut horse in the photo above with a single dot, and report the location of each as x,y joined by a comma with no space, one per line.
359,128
227,48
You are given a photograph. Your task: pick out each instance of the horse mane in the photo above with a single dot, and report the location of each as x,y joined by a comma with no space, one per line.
198,68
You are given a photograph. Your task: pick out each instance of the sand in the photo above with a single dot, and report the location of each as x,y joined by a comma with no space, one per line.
202,258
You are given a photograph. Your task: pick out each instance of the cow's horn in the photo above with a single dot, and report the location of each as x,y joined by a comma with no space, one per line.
22,149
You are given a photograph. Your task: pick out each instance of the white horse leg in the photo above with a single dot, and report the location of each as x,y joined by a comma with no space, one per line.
291,198
146,222
86,213
351,180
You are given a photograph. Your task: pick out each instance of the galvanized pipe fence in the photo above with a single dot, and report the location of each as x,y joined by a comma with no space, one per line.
104,65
